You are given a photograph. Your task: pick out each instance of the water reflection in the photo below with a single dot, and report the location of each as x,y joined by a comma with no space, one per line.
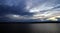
31,28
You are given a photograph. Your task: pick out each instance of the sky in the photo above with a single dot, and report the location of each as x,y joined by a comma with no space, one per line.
29,10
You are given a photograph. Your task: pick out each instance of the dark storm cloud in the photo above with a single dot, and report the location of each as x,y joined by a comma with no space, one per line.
19,9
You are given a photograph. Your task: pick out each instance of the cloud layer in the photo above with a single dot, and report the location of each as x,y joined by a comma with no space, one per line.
33,10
